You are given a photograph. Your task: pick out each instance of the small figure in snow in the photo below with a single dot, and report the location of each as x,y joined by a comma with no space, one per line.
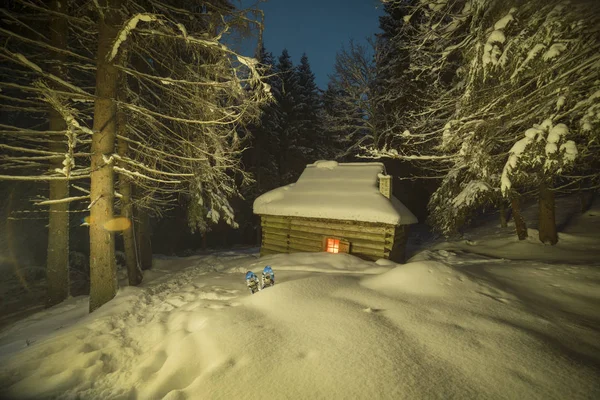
252,282
268,277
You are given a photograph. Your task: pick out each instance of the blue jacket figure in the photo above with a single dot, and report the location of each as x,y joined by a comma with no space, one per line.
268,277
252,282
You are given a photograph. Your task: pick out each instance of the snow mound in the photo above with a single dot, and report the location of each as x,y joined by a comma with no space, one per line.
319,262
423,278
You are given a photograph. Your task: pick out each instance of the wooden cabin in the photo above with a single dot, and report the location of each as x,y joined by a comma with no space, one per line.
337,208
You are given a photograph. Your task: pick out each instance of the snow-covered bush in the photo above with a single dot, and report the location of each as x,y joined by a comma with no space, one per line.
543,150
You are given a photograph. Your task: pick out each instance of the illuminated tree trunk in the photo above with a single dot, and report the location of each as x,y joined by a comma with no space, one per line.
547,225
520,225
143,239
57,260
103,280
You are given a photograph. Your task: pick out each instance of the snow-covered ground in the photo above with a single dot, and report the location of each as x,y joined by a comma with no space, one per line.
484,317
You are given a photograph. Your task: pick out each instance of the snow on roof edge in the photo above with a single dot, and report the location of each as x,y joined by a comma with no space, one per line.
331,164
353,195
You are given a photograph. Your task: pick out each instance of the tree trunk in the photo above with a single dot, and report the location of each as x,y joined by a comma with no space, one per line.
520,225
586,198
143,238
103,279
547,225
503,222
134,273
57,267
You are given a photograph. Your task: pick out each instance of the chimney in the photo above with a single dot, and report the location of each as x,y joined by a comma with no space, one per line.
385,185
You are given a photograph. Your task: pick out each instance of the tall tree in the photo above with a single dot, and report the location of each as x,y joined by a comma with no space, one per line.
310,114
394,92
350,101
132,259
103,280
37,70
340,121
57,264
286,95
510,87
264,148
183,112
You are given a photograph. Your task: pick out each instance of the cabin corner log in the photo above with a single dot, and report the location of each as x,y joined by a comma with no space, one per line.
368,240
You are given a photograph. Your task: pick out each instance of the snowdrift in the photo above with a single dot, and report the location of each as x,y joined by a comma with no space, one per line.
477,319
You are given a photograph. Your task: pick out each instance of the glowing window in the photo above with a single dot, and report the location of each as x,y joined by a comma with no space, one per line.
333,245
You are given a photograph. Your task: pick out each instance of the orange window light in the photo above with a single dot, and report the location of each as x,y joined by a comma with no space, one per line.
333,245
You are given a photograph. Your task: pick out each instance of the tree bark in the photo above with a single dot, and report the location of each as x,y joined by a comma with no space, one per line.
547,225
520,225
134,273
503,222
143,238
103,280
57,260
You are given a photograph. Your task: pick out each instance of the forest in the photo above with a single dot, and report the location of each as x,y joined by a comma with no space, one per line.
186,213
134,127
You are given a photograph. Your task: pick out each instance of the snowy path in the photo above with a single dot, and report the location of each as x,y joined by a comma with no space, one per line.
119,337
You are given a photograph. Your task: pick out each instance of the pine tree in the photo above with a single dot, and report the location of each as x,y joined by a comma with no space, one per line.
261,154
310,120
394,91
286,95
265,140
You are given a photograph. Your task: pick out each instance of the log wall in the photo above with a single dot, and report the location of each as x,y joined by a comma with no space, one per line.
371,241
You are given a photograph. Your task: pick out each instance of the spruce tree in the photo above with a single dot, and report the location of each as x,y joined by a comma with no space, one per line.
395,90
262,155
286,94
309,106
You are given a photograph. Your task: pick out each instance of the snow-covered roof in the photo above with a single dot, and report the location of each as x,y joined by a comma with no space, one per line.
327,189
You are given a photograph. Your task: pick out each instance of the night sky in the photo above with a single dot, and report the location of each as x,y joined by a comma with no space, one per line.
317,27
